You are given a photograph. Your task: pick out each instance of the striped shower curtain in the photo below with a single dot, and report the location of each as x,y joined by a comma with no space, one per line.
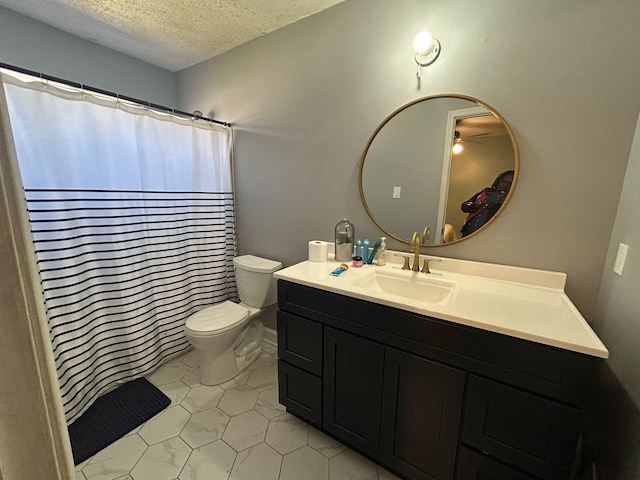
132,215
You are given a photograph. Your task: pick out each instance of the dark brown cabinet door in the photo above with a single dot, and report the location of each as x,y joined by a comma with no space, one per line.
353,368
421,414
531,433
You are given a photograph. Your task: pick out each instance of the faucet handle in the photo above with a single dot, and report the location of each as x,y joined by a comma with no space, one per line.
425,264
405,265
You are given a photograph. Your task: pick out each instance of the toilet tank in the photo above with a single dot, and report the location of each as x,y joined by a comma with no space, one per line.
255,280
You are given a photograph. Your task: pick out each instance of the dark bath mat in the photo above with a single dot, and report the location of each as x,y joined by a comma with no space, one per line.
113,415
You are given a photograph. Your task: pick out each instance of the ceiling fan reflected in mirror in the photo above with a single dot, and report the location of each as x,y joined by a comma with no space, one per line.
475,129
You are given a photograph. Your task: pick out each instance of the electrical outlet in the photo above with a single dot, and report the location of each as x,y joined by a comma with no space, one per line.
621,257
396,192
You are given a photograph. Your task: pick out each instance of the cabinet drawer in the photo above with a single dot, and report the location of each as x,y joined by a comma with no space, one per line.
300,342
529,432
476,466
300,392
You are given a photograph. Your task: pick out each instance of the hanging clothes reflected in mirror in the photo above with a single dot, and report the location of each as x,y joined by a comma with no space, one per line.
483,205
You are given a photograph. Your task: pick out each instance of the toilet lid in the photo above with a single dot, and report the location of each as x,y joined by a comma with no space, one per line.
217,318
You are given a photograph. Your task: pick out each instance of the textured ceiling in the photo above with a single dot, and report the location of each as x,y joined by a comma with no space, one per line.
172,34
480,126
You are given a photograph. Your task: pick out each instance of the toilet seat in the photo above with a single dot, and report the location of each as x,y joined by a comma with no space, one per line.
217,318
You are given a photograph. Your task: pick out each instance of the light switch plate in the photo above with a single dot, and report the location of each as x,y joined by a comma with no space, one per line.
396,192
621,257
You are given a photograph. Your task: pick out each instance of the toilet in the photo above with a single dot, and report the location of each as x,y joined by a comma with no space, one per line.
228,335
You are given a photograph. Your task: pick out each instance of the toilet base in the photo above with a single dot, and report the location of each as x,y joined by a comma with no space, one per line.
219,368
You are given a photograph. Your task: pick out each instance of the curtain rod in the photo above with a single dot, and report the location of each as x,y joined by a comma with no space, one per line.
111,94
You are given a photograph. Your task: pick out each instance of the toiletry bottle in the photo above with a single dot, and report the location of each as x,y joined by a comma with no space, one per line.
358,248
374,252
345,234
365,249
381,251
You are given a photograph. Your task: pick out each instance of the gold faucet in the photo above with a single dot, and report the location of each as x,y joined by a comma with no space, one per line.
426,235
415,248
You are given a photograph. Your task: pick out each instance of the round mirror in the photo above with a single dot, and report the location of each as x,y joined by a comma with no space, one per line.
447,163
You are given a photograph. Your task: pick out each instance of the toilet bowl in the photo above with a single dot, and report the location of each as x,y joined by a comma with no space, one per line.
228,336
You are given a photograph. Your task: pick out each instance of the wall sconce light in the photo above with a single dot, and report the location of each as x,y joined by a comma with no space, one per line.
427,49
457,143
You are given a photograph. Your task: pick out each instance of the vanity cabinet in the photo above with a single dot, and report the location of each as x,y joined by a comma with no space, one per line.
426,398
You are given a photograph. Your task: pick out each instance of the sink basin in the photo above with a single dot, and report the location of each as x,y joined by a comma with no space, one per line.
409,285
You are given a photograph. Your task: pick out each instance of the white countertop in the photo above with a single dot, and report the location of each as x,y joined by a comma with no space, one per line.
519,302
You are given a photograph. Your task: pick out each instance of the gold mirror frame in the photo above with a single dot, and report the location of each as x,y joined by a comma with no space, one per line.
393,115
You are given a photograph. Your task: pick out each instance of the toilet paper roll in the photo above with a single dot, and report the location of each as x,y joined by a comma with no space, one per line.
318,251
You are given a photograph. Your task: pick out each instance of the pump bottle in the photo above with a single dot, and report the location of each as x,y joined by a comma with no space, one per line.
381,251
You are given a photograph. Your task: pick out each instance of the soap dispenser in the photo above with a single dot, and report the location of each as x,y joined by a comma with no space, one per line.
345,234
381,251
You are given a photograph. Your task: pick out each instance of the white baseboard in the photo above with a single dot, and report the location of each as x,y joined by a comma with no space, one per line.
270,336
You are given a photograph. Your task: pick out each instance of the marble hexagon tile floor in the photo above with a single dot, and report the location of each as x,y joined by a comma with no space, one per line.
234,431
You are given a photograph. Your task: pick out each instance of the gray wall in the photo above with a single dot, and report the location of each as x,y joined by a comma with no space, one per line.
618,323
35,46
305,99
616,412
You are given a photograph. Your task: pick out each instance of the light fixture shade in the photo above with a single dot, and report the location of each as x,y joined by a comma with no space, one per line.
422,42
427,48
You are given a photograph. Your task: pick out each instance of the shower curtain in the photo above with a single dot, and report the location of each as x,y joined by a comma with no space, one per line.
132,216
